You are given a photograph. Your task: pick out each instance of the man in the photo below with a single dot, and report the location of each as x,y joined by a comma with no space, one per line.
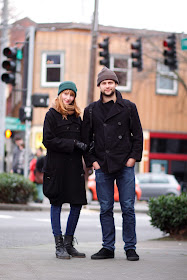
118,144
17,155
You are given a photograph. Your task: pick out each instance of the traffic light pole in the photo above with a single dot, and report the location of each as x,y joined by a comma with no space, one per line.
4,41
31,35
91,79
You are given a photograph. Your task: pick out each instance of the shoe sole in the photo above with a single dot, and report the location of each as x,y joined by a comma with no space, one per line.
133,259
81,257
102,258
64,258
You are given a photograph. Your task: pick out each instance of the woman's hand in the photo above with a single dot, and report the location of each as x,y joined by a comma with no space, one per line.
80,145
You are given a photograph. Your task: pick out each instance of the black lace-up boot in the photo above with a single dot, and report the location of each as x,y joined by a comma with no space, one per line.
61,252
69,245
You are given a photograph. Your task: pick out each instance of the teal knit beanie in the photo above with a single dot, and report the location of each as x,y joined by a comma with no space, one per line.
67,85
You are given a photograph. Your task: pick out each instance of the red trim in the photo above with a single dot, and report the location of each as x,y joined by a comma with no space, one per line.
168,156
167,135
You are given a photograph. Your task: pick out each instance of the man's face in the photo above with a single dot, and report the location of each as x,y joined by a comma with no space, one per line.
19,142
108,87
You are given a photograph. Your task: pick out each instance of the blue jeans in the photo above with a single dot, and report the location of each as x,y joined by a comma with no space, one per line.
125,180
72,219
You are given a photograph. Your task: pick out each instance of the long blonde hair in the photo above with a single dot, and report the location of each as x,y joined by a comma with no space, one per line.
66,110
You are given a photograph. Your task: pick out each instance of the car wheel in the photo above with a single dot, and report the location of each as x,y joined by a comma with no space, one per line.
89,196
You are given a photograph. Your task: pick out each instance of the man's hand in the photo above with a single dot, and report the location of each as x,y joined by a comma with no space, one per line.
130,162
96,165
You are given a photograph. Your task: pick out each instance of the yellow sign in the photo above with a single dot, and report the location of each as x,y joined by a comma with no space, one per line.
38,140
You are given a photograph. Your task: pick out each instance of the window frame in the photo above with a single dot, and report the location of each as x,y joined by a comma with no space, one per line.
128,70
44,67
161,91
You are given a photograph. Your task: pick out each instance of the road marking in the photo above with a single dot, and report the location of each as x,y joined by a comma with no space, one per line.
42,220
5,217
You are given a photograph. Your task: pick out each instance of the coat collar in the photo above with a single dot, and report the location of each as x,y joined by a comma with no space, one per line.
117,108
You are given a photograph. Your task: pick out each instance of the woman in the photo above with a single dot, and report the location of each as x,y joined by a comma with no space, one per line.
63,170
36,174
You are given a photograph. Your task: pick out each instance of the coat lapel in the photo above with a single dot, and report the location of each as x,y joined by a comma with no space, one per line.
117,108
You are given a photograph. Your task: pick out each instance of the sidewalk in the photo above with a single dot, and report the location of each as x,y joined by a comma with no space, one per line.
159,260
140,206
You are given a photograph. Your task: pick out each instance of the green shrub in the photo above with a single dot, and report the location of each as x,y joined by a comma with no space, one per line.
16,188
169,214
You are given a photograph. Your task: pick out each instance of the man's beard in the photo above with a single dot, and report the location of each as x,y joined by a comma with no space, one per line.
108,95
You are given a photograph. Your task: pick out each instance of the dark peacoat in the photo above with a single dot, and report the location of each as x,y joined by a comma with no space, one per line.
63,169
117,137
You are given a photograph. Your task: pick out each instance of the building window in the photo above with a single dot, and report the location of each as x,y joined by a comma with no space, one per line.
168,146
121,65
52,69
166,82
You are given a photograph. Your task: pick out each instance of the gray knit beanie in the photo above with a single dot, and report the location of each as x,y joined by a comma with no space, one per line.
106,74
67,85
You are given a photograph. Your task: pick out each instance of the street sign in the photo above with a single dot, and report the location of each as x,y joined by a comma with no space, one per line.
12,120
15,127
14,124
184,44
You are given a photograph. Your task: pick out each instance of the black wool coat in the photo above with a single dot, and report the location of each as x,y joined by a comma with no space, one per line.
63,169
117,137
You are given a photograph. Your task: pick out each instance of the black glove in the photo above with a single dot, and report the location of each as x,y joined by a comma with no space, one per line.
80,145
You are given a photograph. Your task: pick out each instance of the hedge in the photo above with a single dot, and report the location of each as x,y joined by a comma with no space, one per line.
169,214
16,189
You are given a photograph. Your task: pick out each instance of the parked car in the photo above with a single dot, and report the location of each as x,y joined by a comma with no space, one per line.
156,184
92,195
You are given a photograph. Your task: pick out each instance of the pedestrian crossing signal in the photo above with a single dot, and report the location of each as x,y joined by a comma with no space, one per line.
8,133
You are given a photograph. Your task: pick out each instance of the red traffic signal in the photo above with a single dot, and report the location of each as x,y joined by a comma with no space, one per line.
170,57
10,52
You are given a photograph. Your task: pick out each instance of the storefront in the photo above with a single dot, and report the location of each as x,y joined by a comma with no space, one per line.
168,154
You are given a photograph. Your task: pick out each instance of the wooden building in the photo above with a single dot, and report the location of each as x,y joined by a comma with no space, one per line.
62,52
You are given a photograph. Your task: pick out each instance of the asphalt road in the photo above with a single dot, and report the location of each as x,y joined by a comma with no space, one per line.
25,228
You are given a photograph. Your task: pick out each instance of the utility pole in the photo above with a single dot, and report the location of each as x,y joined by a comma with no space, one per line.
91,79
31,36
3,42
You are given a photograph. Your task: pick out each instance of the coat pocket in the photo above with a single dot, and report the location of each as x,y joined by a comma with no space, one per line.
50,186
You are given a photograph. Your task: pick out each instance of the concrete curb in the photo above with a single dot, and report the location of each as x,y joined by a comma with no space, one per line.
139,207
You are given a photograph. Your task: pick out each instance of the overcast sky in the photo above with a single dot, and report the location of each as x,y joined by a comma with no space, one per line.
162,15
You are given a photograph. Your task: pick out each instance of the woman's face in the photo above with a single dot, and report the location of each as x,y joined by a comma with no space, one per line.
67,97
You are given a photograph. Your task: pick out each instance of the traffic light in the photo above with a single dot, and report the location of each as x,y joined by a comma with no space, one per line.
137,55
25,113
105,53
8,133
10,65
170,56
40,100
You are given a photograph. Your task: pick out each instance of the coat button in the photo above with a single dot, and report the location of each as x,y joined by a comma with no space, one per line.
107,151
120,137
67,127
104,124
119,123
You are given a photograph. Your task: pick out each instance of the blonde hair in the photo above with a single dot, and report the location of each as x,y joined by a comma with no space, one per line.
64,109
